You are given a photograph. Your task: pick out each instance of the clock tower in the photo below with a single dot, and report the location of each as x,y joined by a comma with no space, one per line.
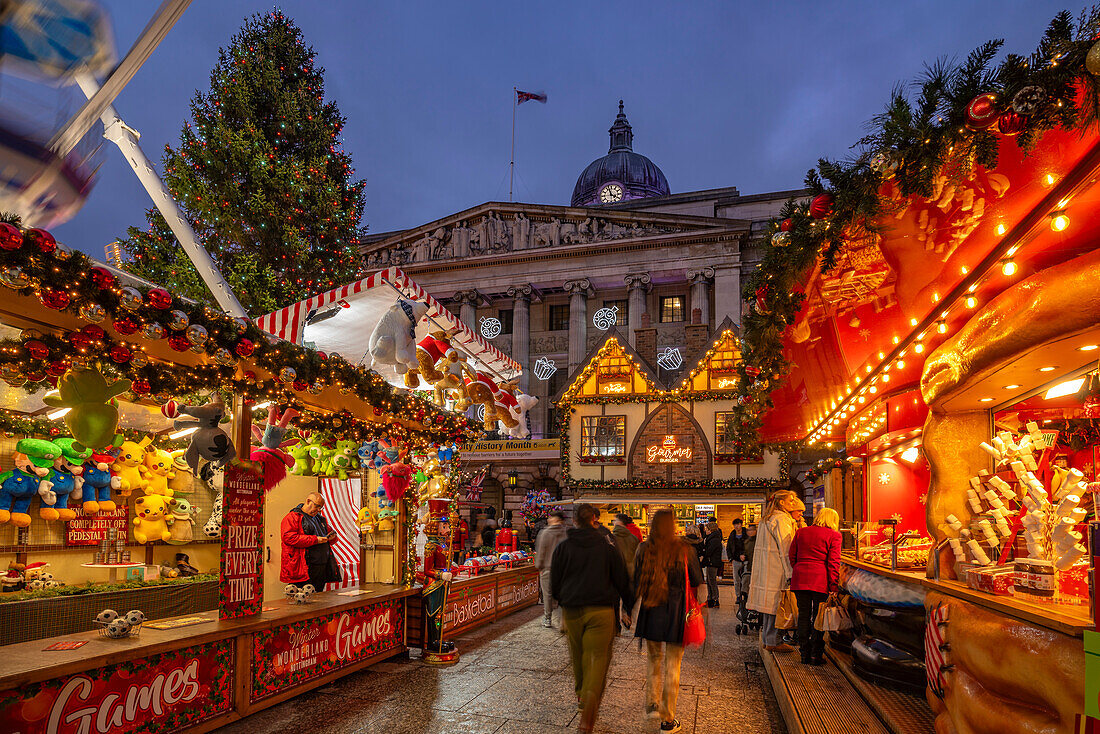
622,174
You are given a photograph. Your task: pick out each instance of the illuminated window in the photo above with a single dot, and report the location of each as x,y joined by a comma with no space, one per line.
672,309
603,435
558,317
621,311
723,433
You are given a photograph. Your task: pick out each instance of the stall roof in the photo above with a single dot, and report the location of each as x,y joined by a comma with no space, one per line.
661,500
341,320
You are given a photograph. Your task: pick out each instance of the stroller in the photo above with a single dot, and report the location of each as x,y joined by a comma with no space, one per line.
747,619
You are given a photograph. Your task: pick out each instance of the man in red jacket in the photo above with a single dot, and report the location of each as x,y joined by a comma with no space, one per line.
295,569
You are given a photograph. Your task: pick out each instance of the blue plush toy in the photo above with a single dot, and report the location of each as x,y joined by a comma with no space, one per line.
98,483
366,454
67,480
17,489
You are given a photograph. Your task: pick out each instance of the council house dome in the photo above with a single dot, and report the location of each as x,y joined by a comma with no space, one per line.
620,175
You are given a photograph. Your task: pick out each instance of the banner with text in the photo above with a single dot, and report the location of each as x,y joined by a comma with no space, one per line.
515,450
168,692
242,576
90,529
287,656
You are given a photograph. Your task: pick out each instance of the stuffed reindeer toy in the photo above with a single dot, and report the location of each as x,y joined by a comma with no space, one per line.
270,453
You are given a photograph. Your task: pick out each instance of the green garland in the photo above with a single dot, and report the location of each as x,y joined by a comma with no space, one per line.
69,282
101,588
914,141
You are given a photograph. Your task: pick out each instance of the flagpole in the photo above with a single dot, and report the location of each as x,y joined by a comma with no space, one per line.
512,164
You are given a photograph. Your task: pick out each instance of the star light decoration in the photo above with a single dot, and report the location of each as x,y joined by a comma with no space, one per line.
490,327
605,318
884,478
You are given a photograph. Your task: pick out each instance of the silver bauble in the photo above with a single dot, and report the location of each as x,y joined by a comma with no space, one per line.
131,299
139,359
316,387
1028,100
196,334
177,320
287,374
241,323
781,239
224,357
153,331
14,278
93,313
885,163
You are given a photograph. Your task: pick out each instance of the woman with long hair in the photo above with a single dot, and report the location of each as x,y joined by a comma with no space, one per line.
771,570
815,573
664,568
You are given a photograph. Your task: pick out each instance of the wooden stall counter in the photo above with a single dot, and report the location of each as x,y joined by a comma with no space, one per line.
474,601
196,673
915,577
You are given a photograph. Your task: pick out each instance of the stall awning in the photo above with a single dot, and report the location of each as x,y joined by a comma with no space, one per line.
745,499
342,319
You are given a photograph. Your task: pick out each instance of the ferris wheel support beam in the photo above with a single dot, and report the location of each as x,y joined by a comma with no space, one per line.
154,32
126,138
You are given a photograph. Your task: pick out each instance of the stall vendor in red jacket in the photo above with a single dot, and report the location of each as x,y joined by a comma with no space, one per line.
299,543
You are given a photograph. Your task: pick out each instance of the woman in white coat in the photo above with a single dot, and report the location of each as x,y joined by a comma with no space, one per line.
771,566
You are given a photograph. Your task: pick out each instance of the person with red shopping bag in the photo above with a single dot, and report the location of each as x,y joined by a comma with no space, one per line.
815,573
667,578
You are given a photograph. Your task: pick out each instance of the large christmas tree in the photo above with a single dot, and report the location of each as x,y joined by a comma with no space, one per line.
261,175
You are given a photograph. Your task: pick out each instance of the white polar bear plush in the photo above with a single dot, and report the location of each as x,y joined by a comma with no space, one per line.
524,403
393,340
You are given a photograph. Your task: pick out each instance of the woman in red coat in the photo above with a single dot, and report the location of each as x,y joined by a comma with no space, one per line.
815,573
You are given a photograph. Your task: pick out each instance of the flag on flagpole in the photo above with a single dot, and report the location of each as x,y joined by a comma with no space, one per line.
522,97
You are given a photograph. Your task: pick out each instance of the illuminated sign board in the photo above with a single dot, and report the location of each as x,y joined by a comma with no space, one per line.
725,383
614,388
671,450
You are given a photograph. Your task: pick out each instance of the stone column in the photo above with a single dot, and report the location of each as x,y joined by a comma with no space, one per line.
521,328
467,301
700,291
727,292
578,319
637,285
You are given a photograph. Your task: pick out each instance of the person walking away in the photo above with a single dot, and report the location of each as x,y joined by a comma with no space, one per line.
634,529
548,540
694,541
603,529
625,541
735,551
771,572
712,561
306,545
588,579
815,573
665,568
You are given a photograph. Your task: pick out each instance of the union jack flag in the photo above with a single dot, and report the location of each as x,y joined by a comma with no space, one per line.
522,97
473,491
935,649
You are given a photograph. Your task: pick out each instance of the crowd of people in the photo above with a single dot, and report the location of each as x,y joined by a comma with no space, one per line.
608,581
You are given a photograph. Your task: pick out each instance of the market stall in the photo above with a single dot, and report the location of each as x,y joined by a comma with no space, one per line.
927,309
125,408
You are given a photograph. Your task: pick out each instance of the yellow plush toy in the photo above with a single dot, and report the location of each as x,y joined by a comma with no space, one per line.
151,518
128,465
367,520
157,471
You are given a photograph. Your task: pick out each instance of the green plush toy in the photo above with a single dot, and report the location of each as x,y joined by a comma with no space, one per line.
92,420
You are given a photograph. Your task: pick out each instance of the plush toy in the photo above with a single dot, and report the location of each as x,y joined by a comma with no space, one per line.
271,453
302,466
366,520
157,471
182,521
183,479
209,441
92,418
433,349
393,340
366,454
395,478
151,518
481,388
68,472
34,460
213,526
523,404
308,453
505,402
452,381
128,465
343,459
98,483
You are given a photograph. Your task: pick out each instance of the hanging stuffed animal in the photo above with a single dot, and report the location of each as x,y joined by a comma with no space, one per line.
92,418
68,475
183,521
505,402
523,404
34,460
451,385
432,353
395,473
213,526
271,452
307,453
367,453
393,340
157,471
343,459
483,389
209,441
131,458
151,518
98,483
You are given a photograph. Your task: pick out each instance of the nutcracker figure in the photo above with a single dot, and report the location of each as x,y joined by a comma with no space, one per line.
436,578
506,539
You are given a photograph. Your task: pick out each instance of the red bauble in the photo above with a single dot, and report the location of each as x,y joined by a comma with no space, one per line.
10,237
981,113
1011,123
752,370
57,368
786,225
140,387
102,278
37,349
120,354
56,300
94,332
821,206
171,409
40,239
179,342
126,326
245,348
300,385
159,298
81,339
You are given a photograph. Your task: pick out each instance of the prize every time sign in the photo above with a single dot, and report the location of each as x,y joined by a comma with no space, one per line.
242,528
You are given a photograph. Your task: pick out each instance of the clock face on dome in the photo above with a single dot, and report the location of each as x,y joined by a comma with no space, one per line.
611,193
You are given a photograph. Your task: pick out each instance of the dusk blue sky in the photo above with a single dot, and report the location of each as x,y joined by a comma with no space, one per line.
746,94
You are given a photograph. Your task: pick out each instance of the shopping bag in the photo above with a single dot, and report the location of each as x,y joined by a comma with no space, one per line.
831,616
786,616
695,632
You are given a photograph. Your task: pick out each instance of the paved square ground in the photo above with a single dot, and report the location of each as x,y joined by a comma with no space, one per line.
514,678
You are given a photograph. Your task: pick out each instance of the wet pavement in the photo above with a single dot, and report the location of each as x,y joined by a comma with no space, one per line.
514,678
